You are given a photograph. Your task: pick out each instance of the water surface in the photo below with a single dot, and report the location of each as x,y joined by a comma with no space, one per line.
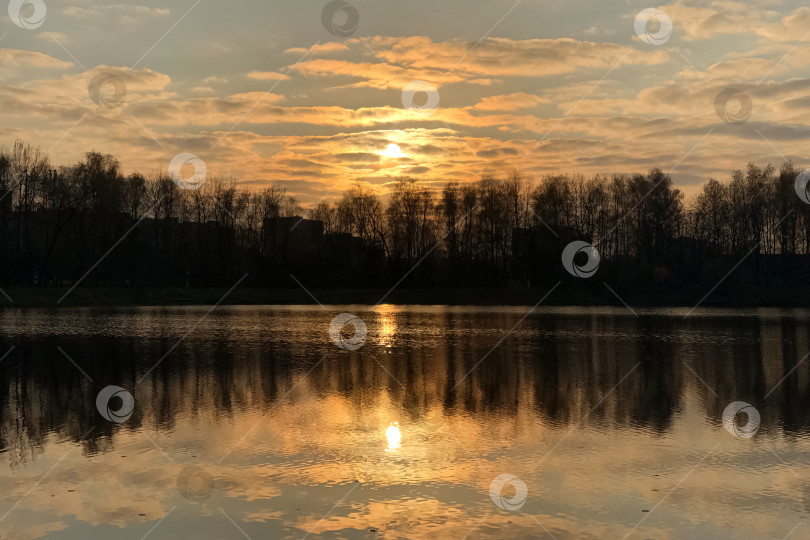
249,422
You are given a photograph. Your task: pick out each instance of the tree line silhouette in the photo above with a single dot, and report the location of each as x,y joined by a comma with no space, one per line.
57,222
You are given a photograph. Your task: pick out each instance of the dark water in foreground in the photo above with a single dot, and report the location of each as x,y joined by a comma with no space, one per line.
256,425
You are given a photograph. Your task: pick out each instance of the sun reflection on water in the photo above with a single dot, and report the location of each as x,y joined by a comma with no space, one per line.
394,437
388,324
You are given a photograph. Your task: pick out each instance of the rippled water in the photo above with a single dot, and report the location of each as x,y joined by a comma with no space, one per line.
249,422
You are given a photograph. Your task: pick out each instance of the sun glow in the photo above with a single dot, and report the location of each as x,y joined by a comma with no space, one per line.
393,435
393,150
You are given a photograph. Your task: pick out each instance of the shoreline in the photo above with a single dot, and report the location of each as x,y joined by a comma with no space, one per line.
43,297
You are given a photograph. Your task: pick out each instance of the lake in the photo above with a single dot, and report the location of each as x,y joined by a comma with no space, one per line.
441,422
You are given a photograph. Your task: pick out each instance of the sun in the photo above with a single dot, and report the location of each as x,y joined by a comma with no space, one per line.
393,150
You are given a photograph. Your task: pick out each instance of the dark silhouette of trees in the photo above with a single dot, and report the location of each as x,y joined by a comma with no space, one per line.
56,223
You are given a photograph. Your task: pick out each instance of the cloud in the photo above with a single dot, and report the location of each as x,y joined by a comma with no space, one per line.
495,152
117,10
693,102
374,74
18,59
502,57
268,76
508,102
790,28
320,48
357,156
399,61
67,98
54,36
717,18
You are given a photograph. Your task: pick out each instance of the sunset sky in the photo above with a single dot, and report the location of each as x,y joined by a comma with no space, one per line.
263,92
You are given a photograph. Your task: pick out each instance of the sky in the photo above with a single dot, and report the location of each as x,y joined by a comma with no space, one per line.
310,94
